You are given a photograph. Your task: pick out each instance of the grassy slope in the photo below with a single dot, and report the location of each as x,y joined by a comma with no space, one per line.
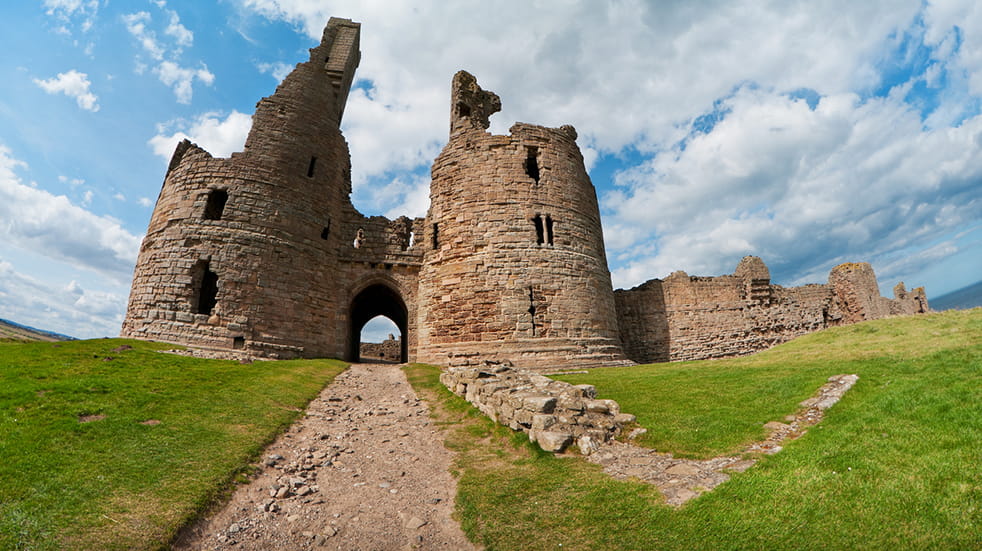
115,483
11,332
894,465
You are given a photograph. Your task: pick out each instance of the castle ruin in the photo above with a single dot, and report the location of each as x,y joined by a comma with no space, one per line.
263,251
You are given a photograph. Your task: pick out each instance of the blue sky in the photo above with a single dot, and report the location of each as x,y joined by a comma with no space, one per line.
808,134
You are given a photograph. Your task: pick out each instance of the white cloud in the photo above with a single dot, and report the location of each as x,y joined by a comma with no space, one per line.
145,202
181,34
50,225
68,309
74,85
168,69
181,78
66,10
136,24
220,137
279,70
800,187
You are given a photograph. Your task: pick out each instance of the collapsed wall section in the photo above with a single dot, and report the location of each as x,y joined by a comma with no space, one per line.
514,267
695,318
553,413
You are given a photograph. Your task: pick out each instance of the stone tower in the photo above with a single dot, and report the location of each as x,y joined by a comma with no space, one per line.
514,267
242,253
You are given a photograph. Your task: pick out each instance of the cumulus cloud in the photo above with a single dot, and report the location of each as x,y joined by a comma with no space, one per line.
220,137
804,188
74,85
50,225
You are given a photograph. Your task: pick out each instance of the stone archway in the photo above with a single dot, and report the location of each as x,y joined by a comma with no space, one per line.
378,299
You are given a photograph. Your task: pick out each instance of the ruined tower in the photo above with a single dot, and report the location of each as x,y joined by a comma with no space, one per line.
241,252
514,267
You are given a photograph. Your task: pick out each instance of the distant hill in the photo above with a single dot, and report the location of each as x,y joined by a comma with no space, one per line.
962,299
10,330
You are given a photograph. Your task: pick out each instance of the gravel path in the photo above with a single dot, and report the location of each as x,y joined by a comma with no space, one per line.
363,469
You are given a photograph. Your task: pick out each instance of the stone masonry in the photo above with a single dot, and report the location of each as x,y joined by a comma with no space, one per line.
263,253
554,414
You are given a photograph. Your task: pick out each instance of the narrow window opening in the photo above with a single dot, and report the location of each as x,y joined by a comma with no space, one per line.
549,229
359,238
436,237
539,237
326,231
532,309
205,288
311,166
215,206
411,241
238,343
532,163
463,110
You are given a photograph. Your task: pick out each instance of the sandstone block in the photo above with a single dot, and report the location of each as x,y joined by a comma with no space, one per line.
553,441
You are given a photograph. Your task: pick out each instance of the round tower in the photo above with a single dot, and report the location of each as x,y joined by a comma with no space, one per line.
514,267
239,251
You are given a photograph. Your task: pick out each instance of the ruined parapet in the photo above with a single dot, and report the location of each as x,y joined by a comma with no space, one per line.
757,279
514,266
555,414
857,293
241,252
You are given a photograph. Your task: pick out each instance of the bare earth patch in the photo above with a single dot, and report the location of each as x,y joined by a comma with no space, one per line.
90,418
683,479
363,469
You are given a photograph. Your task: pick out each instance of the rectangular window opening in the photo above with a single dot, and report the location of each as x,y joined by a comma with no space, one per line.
215,206
463,110
310,167
532,163
238,343
539,237
436,237
549,229
205,288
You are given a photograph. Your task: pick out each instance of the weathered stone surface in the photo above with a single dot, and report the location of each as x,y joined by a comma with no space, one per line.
554,441
695,318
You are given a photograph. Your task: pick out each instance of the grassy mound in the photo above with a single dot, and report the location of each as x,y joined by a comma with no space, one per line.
894,465
109,448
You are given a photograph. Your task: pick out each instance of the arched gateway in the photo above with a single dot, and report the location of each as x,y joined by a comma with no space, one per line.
377,300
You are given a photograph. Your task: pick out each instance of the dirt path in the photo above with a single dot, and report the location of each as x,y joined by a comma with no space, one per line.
683,479
363,469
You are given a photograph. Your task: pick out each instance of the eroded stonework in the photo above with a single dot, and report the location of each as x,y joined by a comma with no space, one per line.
264,253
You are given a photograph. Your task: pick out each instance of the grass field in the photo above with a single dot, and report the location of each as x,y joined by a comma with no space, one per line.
894,465
117,454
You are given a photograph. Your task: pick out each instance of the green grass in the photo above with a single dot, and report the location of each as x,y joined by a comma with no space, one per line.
116,483
894,465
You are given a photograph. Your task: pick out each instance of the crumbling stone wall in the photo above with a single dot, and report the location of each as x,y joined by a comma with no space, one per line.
388,350
693,318
553,413
514,267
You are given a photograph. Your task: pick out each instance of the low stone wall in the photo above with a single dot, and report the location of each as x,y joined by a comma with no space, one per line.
553,413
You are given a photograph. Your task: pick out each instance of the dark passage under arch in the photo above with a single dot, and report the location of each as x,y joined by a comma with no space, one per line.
376,300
